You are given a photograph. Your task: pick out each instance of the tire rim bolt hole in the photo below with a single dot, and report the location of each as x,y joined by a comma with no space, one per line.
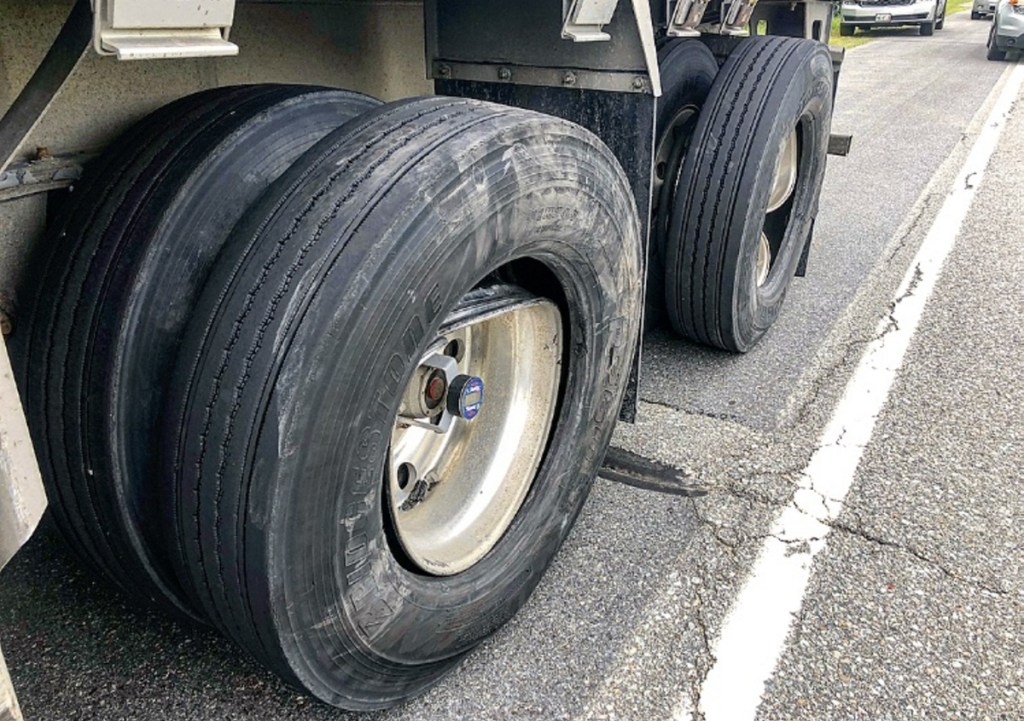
404,475
455,349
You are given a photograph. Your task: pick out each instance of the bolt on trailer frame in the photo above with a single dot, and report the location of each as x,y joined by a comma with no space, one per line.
593,62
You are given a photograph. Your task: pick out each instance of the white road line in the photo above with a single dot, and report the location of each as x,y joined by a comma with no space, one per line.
754,632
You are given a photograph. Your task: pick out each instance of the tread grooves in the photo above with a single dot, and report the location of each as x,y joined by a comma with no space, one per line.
755,91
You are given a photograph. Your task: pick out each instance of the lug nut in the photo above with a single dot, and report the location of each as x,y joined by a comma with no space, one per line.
435,389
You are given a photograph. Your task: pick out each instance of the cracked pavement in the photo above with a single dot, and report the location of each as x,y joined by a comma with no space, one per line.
916,604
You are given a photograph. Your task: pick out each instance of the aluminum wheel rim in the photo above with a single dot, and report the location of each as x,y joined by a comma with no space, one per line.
784,179
455,485
668,165
670,151
764,260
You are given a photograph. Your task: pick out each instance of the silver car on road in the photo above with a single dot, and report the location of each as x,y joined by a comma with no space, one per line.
982,9
928,15
1007,33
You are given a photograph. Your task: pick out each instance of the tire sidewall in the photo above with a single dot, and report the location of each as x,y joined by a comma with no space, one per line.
807,101
688,70
396,287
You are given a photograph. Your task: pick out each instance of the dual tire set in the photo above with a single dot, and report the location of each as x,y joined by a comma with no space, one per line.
739,163
335,376
222,360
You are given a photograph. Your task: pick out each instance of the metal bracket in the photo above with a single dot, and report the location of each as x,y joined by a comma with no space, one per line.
809,19
737,16
155,29
41,175
584,20
525,43
446,365
44,85
685,18
645,28
623,82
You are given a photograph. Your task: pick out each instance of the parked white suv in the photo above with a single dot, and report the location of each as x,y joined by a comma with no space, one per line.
1007,33
928,15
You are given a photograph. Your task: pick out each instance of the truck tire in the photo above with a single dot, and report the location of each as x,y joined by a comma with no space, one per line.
687,70
749,191
128,257
941,22
319,319
846,30
927,29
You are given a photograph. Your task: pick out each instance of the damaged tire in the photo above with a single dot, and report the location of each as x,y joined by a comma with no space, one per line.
126,260
335,325
748,191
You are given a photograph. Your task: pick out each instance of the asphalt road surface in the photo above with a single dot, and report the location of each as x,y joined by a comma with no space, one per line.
899,595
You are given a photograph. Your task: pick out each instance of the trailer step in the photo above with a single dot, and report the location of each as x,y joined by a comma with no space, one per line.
157,29
165,44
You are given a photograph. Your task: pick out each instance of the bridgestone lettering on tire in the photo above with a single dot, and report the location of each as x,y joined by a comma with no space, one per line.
126,260
769,88
308,331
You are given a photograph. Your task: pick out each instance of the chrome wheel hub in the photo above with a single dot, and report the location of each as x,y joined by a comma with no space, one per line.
782,188
669,154
472,428
668,164
784,180
764,260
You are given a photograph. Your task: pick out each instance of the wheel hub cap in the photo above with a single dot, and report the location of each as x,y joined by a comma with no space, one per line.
459,471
